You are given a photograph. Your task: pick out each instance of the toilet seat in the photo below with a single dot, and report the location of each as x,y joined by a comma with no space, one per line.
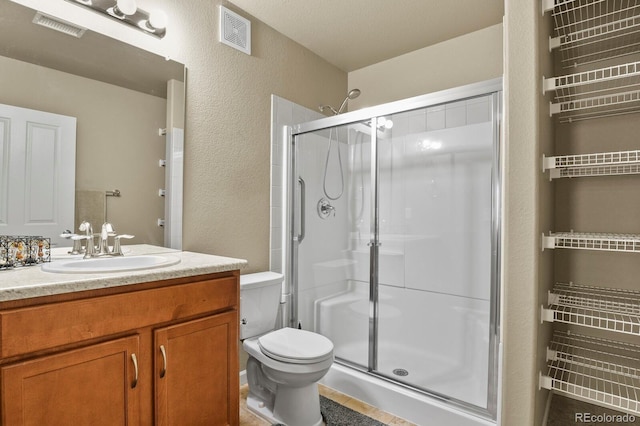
296,346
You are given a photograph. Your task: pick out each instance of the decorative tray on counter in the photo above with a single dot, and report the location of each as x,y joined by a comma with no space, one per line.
23,250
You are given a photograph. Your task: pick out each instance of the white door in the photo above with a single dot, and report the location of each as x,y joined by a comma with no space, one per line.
37,172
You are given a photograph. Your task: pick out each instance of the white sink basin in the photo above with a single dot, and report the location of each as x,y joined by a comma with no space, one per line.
110,264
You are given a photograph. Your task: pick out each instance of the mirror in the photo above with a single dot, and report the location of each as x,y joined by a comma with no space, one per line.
121,96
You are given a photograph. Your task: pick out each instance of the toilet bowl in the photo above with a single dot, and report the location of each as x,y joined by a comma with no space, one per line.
284,365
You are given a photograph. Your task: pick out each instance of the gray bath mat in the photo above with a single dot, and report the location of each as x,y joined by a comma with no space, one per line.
335,414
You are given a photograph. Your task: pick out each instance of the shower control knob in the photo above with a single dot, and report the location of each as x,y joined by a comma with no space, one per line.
325,208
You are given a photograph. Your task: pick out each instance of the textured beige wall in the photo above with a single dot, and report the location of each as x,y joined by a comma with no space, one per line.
115,148
463,60
521,230
227,148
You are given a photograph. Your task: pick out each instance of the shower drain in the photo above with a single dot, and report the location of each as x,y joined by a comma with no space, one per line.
400,372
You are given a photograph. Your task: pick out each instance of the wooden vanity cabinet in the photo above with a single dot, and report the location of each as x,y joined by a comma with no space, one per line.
163,353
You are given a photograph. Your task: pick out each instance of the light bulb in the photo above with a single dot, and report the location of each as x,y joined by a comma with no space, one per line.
158,19
127,7
383,122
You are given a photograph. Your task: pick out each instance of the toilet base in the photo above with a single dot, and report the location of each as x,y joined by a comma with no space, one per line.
293,406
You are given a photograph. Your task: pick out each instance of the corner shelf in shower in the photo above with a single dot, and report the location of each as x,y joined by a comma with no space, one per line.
608,309
587,31
596,164
592,241
599,371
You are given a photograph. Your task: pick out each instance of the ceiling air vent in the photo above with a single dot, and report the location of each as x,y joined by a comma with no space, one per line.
58,25
235,31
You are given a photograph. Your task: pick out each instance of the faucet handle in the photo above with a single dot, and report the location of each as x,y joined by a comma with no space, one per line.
86,227
107,230
325,208
89,247
117,249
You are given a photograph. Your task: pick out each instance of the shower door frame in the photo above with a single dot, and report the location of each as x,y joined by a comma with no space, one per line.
295,231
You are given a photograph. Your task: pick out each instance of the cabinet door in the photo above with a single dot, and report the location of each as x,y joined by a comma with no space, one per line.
95,385
196,367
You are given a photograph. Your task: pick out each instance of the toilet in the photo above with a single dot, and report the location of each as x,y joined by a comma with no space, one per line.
284,364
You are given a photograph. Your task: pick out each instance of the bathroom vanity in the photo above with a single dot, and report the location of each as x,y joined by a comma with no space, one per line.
156,346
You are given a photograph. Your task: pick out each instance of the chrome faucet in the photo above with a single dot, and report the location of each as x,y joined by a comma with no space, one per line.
90,249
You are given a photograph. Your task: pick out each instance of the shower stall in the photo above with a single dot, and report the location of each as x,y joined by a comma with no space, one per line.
393,228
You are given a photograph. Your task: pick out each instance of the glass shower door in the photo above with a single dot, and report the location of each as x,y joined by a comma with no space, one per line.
394,243
436,168
331,202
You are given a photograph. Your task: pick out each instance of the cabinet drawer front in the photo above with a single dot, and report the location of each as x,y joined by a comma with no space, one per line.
36,328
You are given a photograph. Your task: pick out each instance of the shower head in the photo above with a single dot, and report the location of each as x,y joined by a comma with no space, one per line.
354,93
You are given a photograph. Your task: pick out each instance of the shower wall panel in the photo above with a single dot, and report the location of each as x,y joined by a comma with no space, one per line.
283,113
324,263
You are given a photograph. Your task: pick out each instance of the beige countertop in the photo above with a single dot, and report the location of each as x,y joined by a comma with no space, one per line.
31,281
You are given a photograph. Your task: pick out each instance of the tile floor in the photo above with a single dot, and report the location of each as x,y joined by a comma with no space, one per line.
249,419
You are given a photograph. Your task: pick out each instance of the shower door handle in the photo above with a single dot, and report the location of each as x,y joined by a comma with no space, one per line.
302,213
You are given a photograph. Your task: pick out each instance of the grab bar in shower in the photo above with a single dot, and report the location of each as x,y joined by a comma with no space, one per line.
302,212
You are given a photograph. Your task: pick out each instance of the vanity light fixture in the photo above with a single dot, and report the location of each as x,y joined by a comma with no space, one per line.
123,8
126,11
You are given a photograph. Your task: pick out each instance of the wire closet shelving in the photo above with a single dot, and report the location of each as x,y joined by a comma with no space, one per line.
595,164
585,32
592,241
615,310
600,371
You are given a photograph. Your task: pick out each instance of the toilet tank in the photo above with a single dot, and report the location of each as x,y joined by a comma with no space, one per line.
259,302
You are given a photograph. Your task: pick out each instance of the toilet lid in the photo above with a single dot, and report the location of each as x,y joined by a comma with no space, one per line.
296,346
